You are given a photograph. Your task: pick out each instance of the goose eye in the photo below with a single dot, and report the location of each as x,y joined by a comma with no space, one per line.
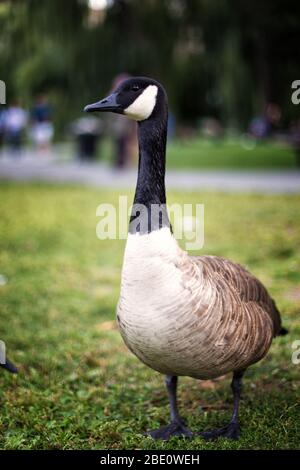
135,87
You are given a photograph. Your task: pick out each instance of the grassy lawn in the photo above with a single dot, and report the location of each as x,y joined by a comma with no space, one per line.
78,386
229,154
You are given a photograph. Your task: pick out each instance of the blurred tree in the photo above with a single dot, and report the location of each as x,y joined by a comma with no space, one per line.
221,58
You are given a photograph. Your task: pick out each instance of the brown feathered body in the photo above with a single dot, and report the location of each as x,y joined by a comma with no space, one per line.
200,316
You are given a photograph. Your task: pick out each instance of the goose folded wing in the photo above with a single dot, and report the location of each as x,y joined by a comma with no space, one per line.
248,287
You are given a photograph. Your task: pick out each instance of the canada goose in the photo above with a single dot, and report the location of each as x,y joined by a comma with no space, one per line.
181,315
9,366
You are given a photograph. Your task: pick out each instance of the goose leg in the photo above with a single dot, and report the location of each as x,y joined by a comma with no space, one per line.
177,426
232,430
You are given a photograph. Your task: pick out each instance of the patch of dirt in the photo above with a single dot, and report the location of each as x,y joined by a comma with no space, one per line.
106,326
293,294
211,384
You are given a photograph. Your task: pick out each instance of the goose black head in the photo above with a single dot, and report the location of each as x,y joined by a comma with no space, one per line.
139,98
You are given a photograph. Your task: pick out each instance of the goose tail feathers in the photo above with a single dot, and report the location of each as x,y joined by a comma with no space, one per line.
282,332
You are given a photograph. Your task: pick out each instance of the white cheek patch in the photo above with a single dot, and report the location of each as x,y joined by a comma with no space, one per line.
143,106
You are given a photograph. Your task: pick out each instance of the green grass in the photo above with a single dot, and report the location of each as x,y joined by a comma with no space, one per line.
78,386
229,154
225,154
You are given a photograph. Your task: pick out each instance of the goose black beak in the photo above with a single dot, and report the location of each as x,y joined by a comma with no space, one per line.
107,104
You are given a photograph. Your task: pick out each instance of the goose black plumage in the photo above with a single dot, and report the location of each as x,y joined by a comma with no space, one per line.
200,316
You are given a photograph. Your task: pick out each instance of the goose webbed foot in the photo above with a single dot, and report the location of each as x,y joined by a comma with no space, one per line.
175,428
231,431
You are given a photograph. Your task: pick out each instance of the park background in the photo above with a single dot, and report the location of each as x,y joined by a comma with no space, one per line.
223,64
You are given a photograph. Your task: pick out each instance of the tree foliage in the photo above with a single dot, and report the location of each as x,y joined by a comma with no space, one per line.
223,58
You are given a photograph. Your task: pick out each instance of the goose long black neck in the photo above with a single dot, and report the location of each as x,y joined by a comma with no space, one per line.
150,194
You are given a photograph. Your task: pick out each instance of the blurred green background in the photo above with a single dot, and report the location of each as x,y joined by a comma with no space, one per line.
222,58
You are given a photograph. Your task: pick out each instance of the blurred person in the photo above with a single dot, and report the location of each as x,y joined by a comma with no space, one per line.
13,123
171,125
41,124
273,116
294,137
259,127
212,129
87,131
1,127
267,124
123,132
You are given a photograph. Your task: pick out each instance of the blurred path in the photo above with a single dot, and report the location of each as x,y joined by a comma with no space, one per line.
101,175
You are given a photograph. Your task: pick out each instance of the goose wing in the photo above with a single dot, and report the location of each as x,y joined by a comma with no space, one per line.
247,286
